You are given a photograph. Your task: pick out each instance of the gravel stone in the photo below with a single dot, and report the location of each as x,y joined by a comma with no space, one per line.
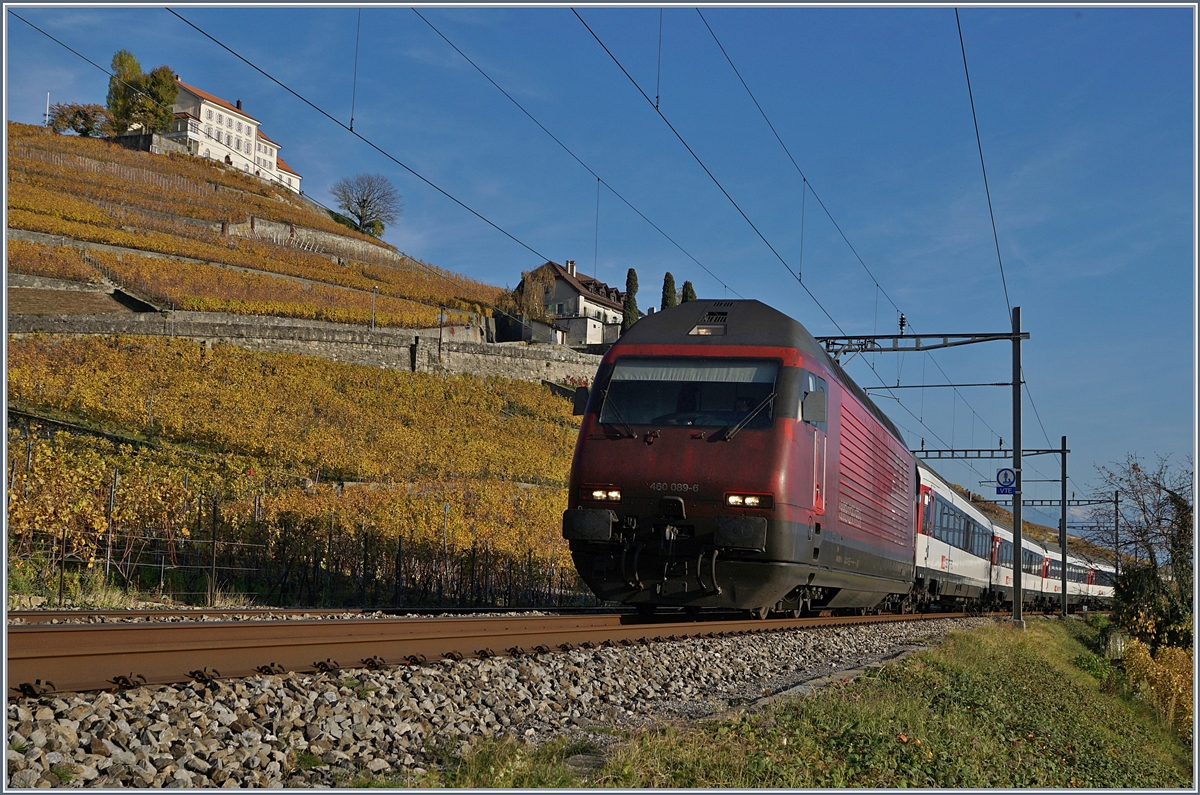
248,733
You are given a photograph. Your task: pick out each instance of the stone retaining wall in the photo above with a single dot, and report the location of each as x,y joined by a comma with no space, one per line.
451,350
334,246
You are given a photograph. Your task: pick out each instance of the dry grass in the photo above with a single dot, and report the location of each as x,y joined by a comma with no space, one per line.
33,301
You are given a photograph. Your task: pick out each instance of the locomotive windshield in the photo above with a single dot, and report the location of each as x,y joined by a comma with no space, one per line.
702,393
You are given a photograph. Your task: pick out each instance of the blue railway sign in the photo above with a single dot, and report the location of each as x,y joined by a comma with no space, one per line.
1006,481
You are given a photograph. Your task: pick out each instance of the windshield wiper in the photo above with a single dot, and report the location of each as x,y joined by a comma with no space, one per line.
617,411
732,432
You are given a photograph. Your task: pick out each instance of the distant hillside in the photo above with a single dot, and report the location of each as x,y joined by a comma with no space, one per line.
193,234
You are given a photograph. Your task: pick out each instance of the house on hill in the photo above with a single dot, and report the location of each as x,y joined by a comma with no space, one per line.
587,308
208,126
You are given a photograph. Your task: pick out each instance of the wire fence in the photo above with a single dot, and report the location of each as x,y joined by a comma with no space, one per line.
360,570
118,170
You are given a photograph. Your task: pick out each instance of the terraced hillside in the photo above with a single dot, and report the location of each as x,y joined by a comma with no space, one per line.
300,466
192,234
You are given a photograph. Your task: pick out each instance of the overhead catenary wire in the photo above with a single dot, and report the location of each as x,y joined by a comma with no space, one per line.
706,169
807,186
577,159
806,183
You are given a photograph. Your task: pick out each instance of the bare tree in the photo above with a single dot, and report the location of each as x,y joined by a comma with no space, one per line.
527,300
1153,531
369,200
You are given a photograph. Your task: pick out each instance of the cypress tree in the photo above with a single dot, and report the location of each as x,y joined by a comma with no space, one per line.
668,297
689,292
629,312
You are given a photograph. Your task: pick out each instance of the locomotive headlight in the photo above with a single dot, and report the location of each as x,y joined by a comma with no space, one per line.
602,495
761,501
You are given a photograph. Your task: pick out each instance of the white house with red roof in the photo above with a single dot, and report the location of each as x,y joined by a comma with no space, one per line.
213,128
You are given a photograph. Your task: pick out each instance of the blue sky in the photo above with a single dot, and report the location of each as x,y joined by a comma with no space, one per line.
1085,114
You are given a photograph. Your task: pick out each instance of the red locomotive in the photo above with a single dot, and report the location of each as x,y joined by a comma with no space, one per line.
725,460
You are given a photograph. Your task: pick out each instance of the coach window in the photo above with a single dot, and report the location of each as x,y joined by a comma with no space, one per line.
952,526
981,540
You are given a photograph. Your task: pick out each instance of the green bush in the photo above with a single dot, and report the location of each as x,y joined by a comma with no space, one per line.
1098,621
1098,667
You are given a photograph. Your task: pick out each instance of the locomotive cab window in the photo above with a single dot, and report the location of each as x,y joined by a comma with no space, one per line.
701,393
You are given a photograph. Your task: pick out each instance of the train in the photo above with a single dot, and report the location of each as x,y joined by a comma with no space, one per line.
725,460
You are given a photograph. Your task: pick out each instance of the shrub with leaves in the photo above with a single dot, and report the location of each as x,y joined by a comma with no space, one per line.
1165,680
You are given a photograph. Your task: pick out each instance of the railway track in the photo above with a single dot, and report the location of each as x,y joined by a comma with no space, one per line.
47,658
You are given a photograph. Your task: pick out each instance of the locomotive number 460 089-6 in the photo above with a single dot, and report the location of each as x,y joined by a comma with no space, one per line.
674,487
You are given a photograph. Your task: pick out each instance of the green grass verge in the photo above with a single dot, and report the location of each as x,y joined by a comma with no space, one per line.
989,708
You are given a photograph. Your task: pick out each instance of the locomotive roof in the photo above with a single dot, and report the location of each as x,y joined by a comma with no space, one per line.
747,322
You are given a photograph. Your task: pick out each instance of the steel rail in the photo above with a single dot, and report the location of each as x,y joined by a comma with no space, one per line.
83,657
40,616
